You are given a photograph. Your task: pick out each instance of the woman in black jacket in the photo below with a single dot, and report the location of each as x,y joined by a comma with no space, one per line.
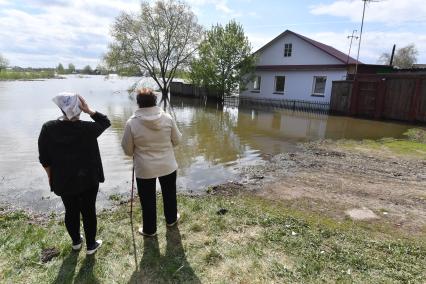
69,153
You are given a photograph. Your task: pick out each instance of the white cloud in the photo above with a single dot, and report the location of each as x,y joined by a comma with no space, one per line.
387,11
388,22
39,34
35,33
258,40
220,5
65,29
372,46
373,43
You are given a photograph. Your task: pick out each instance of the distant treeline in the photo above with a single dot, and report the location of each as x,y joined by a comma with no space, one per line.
29,73
26,73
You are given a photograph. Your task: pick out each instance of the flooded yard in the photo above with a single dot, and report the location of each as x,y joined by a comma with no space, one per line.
218,141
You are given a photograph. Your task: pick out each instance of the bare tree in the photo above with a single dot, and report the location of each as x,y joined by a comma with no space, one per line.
161,38
404,57
3,62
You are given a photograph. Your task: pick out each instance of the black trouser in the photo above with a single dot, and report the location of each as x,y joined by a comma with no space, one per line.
84,203
147,195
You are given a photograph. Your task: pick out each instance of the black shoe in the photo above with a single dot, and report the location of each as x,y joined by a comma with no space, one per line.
145,234
94,248
175,222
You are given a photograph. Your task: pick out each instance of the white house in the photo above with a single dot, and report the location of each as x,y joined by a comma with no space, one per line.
294,67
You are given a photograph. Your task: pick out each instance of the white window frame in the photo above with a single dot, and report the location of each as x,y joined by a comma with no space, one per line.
275,85
257,80
288,49
314,84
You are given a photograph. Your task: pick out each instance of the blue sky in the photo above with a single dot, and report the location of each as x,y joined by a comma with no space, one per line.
41,33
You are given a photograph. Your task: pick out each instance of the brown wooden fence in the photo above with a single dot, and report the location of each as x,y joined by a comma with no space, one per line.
180,89
390,96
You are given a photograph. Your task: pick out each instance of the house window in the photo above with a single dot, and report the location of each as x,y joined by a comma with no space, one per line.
318,88
288,47
256,83
279,84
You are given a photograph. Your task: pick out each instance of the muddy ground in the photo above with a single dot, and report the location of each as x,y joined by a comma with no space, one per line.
323,177
364,186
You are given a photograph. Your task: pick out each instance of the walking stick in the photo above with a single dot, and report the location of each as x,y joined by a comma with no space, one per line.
132,193
131,216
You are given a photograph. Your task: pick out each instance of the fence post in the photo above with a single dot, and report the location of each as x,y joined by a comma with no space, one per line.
353,108
380,99
415,102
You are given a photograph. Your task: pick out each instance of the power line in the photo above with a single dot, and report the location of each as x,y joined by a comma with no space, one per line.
352,37
360,34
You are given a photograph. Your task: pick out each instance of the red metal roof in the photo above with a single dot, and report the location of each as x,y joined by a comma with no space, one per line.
342,57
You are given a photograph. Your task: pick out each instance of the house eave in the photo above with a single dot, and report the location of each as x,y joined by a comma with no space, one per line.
322,67
325,48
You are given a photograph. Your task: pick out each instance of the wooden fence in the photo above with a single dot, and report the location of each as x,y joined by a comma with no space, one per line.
390,96
180,89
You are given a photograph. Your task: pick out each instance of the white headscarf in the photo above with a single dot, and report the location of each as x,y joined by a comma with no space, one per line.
69,103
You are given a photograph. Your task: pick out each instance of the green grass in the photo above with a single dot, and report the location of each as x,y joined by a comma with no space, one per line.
24,75
257,241
413,146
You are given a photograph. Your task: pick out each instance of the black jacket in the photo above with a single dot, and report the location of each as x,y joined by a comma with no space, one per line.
70,149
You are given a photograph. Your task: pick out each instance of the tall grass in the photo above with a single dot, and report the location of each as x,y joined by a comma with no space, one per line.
25,75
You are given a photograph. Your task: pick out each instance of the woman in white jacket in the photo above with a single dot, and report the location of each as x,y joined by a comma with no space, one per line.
149,136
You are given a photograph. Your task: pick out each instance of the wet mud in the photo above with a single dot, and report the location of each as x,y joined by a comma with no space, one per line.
326,179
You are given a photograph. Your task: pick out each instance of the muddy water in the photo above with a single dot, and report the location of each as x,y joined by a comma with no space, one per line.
217,141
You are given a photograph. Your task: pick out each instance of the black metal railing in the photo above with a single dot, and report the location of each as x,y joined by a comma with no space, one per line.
296,105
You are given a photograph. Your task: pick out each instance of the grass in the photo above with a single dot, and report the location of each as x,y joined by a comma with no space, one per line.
256,241
413,146
7,75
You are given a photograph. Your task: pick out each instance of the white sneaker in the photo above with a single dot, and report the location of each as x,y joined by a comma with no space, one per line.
175,222
97,245
77,247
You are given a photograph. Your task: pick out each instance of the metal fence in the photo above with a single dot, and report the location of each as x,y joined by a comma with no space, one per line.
297,105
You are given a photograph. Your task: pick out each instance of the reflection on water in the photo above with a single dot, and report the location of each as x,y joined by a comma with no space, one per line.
216,140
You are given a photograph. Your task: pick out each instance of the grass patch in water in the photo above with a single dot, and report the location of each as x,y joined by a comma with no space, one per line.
256,241
413,146
7,75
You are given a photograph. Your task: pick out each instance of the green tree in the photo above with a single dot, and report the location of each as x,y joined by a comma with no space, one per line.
87,70
404,57
158,40
60,69
71,68
225,61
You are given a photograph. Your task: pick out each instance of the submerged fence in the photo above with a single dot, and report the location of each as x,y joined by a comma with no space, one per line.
296,105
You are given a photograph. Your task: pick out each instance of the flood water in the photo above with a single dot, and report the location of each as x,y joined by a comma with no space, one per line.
216,141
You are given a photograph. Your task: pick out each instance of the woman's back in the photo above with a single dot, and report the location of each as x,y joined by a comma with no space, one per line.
149,136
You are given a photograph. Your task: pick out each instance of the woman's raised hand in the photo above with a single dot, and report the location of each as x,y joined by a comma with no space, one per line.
84,106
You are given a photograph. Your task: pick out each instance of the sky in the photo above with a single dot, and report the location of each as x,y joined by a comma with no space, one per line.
37,33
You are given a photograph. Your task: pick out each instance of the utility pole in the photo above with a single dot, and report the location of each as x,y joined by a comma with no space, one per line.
352,37
360,34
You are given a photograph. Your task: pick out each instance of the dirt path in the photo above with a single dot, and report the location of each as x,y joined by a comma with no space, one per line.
347,184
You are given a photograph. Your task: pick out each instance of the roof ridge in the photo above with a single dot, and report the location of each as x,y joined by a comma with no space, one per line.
342,57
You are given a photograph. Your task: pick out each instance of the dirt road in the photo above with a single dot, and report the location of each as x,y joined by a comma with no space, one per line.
361,185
